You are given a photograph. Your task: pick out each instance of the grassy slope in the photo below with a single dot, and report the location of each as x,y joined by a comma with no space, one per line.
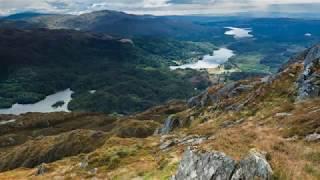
262,128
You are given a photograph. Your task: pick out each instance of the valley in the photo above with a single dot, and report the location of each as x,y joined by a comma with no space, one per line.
260,118
119,96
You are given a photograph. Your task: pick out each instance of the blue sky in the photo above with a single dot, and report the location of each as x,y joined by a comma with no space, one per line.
159,7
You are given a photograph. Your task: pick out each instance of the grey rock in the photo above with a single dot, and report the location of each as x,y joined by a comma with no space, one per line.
192,140
197,165
168,142
254,166
308,82
157,131
205,98
171,123
313,137
84,163
200,100
204,165
93,171
313,53
293,138
283,114
41,169
228,124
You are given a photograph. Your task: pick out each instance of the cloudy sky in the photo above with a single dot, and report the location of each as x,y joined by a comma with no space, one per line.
159,7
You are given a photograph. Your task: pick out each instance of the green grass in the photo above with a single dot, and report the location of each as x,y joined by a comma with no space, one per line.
250,63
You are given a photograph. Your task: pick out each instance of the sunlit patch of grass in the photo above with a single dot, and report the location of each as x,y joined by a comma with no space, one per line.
250,63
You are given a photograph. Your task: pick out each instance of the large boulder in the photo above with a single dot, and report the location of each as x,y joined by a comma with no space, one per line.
254,166
204,165
197,165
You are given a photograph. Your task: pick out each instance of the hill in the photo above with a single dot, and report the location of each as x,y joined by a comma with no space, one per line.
273,40
126,77
115,23
264,128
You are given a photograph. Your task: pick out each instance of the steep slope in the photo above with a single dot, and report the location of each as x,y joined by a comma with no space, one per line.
265,129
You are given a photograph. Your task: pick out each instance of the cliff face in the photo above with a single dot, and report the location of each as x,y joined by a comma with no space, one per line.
255,128
309,81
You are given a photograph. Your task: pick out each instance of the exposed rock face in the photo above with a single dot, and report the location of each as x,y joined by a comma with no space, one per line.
313,53
170,124
199,101
309,81
197,165
227,91
254,166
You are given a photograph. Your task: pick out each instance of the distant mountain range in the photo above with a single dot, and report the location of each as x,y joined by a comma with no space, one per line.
115,23
23,16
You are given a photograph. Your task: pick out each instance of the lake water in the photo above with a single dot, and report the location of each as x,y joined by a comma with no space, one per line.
43,106
239,33
218,57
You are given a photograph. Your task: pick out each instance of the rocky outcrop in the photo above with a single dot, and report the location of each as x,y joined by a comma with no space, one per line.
254,166
219,93
197,165
171,123
168,141
204,165
312,54
309,81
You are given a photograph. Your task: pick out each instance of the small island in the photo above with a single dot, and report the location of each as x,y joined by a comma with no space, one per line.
58,104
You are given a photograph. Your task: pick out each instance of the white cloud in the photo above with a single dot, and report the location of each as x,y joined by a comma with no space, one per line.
148,6
155,3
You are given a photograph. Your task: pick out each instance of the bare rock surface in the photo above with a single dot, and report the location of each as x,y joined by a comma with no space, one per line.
309,81
204,165
197,165
254,166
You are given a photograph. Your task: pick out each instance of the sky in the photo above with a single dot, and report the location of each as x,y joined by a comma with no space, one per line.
160,7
